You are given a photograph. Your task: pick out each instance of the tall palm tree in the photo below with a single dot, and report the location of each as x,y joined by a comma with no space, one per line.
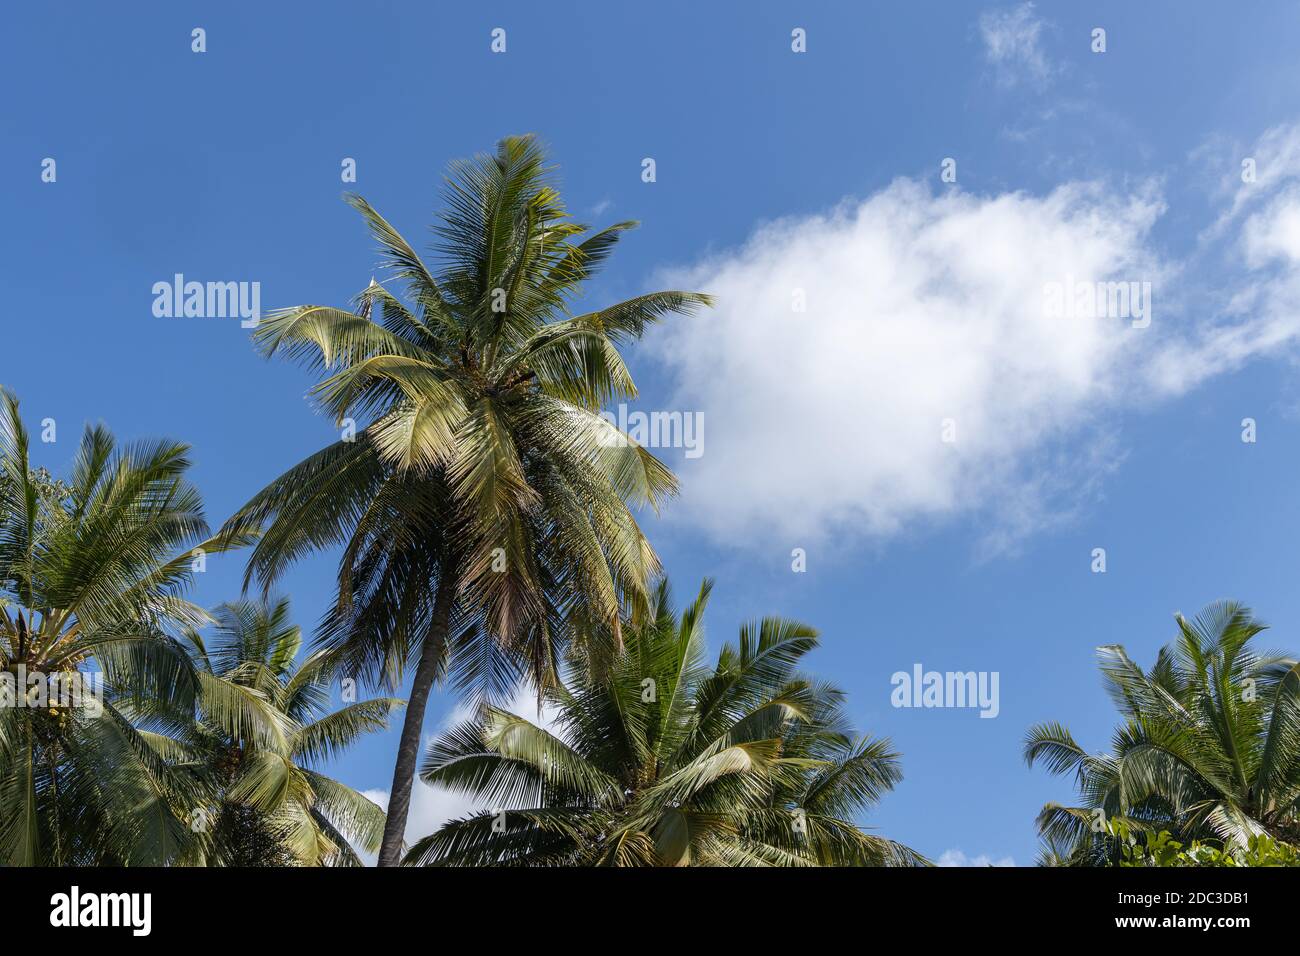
1208,748
92,575
484,505
272,807
655,757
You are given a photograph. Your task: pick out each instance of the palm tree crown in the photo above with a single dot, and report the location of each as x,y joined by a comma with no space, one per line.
1208,748
92,575
271,806
658,758
485,505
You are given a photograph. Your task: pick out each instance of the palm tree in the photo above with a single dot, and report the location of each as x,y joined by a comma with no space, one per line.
272,808
1208,749
657,758
484,507
92,573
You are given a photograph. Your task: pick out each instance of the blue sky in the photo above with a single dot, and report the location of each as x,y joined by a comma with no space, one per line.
921,298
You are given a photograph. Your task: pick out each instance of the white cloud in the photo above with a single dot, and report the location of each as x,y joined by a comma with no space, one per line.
925,306
1012,44
919,308
1273,161
1258,236
958,858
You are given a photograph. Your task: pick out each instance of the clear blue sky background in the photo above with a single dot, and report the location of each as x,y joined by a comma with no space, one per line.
226,166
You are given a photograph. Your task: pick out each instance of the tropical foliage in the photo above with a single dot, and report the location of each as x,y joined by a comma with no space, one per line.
122,740
1208,747
656,757
270,807
484,509
92,575
487,515
1161,850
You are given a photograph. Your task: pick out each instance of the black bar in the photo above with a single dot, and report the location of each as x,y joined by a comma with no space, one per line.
365,906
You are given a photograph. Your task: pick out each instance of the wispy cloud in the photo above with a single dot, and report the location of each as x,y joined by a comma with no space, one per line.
958,858
1013,44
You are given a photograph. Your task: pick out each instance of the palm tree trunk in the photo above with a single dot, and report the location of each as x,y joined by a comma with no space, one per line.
399,799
